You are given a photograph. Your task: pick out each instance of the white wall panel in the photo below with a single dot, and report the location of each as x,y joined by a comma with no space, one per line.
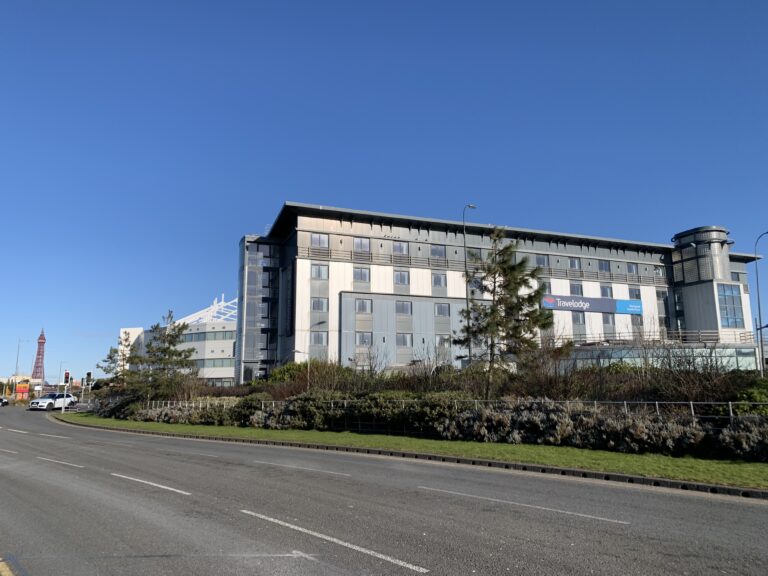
382,279
456,284
421,282
303,270
340,279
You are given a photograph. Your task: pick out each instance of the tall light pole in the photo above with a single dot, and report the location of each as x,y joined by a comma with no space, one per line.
296,351
16,373
760,354
466,276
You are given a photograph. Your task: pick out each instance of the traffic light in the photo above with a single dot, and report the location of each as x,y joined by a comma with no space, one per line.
66,376
88,377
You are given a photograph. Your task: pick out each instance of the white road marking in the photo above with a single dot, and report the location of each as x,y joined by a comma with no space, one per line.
17,431
59,462
153,484
373,553
511,503
9,451
301,468
54,436
161,450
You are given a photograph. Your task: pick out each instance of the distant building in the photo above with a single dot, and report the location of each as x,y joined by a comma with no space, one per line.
210,333
343,285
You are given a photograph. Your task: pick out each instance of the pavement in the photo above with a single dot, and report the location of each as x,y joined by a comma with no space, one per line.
92,502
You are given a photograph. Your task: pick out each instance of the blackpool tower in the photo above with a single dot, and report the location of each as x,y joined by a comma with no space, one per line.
38,372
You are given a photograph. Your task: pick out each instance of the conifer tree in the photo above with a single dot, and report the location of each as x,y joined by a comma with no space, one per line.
506,320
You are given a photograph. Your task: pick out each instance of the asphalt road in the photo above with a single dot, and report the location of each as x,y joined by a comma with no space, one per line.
82,502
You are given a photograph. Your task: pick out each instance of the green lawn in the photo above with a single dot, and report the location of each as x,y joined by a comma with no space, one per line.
725,472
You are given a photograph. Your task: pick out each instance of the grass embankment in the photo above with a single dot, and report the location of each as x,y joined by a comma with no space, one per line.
724,472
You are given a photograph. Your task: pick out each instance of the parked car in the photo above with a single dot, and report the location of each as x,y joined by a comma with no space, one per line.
52,401
3,401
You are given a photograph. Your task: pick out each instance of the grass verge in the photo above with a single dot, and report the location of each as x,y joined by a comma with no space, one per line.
723,472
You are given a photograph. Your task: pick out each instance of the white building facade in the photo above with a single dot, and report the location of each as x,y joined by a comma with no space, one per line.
353,286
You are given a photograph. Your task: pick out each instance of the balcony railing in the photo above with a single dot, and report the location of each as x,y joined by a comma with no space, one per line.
458,264
640,336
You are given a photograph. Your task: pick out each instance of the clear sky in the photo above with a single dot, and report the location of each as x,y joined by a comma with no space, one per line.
139,140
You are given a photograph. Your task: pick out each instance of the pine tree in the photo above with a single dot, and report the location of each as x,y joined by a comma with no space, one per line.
506,322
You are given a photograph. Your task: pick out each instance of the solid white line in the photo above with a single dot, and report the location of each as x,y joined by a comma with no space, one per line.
54,436
59,462
153,484
19,431
384,557
525,505
9,451
301,468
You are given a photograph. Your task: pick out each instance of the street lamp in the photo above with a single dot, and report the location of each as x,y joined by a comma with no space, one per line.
295,351
466,276
761,353
16,373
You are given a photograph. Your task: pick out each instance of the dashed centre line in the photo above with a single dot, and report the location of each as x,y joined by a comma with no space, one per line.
55,436
17,431
522,505
59,462
151,484
8,451
302,468
354,547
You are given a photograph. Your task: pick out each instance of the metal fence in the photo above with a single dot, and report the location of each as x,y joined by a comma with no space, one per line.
695,410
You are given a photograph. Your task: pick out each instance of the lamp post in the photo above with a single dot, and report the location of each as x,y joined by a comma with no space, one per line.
760,354
296,351
16,373
466,276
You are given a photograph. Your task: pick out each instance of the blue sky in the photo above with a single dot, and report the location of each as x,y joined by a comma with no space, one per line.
140,140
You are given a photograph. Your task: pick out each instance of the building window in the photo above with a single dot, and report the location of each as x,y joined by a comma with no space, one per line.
319,240
603,266
542,260
474,254
578,318
318,338
637,320
442,309
442,341
439,279
658,271
319,304
634,293
363,306
606,291
574,263
631,268
403,308
319,272
404,340
576,289
363,339
436,251
731,313
547,286
400,248
735,277
609,319
402,278
360,274
361,244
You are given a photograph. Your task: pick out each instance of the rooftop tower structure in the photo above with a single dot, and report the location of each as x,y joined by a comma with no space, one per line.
38,372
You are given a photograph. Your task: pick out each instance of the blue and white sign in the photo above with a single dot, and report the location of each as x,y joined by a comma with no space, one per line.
582,304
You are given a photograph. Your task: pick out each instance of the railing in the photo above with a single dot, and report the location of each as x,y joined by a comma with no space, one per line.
199,403
639,336
458,264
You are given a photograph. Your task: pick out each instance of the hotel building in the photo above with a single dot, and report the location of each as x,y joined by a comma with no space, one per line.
385,290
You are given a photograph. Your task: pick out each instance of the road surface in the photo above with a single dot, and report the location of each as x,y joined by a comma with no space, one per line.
82,502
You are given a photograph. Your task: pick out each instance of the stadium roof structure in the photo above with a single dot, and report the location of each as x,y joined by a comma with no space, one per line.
219,311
